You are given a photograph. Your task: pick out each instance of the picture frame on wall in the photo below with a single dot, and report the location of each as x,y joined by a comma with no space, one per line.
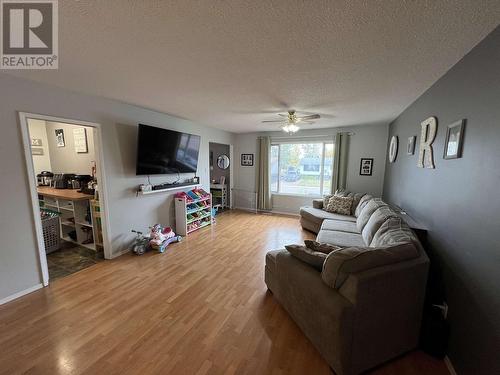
37,151
410,147
366,167
60,137
454,140
80,139
247,160
36,142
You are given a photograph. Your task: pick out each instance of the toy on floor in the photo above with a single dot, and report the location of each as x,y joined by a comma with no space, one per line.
160,237
141,243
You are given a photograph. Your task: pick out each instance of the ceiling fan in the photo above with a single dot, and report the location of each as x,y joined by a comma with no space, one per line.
290,121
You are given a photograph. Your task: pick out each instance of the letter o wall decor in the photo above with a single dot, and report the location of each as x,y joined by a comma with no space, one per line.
393,149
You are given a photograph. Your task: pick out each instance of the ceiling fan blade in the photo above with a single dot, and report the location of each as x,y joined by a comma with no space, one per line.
282,114
310,117
276,121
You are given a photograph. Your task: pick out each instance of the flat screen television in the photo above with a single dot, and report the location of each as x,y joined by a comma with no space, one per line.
163,151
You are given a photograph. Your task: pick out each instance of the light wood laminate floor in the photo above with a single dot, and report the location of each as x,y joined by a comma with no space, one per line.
200,308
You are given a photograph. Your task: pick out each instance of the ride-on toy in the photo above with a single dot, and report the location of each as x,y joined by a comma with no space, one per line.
162,237
158,239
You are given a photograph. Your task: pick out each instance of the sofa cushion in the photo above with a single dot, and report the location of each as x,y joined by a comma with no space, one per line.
367,211
356,198
313,258
394,231
342,239
341,263
325,248
362,203
317,215
339,205
378,218
340,225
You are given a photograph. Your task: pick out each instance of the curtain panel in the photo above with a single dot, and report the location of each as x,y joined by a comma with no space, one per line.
264,174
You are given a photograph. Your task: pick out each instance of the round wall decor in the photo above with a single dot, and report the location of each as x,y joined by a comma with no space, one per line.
393,149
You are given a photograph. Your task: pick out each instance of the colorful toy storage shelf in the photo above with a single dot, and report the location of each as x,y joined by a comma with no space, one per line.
193,210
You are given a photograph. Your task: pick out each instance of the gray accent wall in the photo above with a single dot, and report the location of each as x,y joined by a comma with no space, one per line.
459,202
19,263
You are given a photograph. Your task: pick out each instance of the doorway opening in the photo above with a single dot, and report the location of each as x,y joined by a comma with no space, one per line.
221,165
64,163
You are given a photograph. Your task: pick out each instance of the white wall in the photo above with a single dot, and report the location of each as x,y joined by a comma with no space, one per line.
66,159
368,141
19,265
40,162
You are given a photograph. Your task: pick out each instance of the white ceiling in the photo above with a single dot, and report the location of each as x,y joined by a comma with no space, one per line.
231,64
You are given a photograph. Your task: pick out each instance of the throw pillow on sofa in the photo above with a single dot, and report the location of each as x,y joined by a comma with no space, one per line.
340,264
313,258
339,205
326,199
324,248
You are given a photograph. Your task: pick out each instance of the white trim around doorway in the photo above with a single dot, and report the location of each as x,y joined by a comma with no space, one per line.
103,196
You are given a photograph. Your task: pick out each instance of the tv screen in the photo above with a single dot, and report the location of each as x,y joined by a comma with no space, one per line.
163,151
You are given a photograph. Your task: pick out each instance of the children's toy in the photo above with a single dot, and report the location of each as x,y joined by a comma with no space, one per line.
160,237
141,243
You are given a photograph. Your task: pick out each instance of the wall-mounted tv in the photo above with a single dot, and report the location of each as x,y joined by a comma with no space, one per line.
163,151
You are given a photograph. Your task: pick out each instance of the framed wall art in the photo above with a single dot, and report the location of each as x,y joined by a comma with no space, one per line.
410,147
366,167
60,137
454,140
247,160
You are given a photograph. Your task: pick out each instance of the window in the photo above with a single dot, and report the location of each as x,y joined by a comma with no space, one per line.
301,168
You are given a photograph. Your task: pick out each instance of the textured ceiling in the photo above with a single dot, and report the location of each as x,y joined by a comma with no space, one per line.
231,64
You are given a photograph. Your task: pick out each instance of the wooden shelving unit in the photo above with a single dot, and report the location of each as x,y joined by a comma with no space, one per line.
191,216
219,195
75,215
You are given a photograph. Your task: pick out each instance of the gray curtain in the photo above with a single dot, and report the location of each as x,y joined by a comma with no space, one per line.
264,174
339,175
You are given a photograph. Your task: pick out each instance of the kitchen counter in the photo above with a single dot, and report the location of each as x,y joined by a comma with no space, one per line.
69,194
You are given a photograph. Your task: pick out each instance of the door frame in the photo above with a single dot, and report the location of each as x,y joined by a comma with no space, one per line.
103,195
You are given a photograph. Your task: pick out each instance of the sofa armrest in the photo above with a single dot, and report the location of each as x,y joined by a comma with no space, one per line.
318,203
388,304
323,314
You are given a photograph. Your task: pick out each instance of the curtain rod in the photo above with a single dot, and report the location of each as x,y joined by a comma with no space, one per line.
311,136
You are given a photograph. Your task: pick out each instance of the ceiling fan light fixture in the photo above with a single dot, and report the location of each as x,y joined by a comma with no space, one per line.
290,128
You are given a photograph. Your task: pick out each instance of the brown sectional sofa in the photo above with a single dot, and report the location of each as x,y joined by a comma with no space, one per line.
362,309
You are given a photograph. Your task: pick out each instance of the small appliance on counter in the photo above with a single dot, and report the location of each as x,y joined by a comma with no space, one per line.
62,180
89,187
80,181
44,178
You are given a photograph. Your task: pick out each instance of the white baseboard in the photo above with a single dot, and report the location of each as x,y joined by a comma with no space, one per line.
20,294
285,213
449,365
120,253
267,212
244,209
